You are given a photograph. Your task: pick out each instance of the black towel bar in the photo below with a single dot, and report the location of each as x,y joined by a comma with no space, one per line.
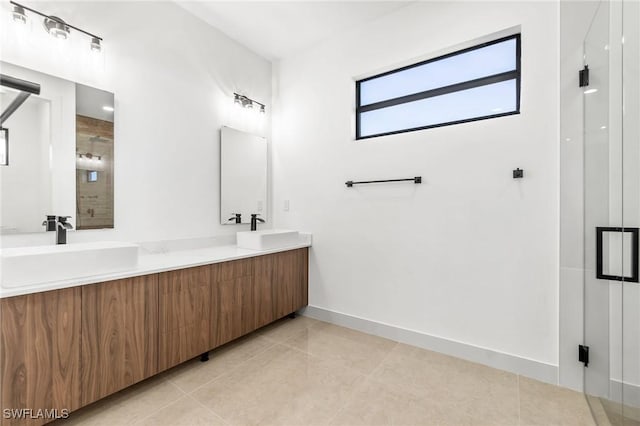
417,179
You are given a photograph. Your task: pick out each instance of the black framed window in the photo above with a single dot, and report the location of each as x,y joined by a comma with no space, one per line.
476,83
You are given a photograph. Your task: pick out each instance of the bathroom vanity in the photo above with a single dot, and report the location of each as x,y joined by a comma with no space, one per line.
68,347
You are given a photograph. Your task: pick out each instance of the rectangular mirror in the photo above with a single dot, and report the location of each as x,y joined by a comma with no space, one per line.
94,158
52,141
243,176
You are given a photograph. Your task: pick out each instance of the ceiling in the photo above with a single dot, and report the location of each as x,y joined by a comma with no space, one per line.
278,29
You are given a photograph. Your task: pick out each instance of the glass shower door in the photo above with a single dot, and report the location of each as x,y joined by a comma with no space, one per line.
629,346
612,213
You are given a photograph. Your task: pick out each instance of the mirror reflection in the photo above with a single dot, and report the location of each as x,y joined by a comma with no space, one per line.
25,178
94,158
243,176
57,145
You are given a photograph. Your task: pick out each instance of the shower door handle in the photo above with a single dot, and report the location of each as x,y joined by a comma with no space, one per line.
600,230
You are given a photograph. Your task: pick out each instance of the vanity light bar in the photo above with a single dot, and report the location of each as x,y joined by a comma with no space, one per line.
53,22
247,102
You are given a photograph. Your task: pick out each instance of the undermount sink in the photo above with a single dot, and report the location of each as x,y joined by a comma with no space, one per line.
268,239
40,264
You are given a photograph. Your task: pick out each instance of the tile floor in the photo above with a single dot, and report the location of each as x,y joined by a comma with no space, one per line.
307,372
620,415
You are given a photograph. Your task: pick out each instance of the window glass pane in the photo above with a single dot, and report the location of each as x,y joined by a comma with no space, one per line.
478,102
489,60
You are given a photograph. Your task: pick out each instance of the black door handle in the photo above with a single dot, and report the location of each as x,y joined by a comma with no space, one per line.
600,230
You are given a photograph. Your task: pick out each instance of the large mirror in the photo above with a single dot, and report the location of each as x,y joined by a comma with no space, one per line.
57,151
243,176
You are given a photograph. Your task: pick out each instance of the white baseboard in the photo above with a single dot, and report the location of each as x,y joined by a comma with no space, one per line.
526,367
629,391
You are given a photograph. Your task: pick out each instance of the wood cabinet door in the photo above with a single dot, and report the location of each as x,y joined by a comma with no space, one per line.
40,352
289,282
283,282
264,312
301,289
119,335
184,315
232,300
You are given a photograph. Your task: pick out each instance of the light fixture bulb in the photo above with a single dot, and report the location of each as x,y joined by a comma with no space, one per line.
19,15
56,27
95,44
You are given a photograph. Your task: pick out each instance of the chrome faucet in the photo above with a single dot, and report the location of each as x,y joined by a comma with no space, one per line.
254,221
61,229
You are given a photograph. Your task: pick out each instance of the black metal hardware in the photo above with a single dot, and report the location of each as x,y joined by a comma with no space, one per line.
518,173
583,76
417,179
61,229
26,89
204,357
583,354
510,75
600,230
19,84
254,221
50,223
237,217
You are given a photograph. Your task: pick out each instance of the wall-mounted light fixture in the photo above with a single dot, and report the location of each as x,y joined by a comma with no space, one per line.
19,14
90,156
246,102
55,26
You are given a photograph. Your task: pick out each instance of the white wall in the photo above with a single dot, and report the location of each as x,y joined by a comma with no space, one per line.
471,255
173,77
22,210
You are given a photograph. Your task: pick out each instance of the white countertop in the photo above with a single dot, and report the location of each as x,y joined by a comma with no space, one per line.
151,263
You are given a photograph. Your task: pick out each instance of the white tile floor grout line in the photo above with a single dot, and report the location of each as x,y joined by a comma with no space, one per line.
272,343
162,407
231,370
210,410
383,360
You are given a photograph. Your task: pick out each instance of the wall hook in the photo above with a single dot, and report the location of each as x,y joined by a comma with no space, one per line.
518,173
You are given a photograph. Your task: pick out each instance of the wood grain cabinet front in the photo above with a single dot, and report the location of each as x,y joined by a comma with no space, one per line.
40,355
184,315
65,349
289,281
264,308
232,300
119,335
